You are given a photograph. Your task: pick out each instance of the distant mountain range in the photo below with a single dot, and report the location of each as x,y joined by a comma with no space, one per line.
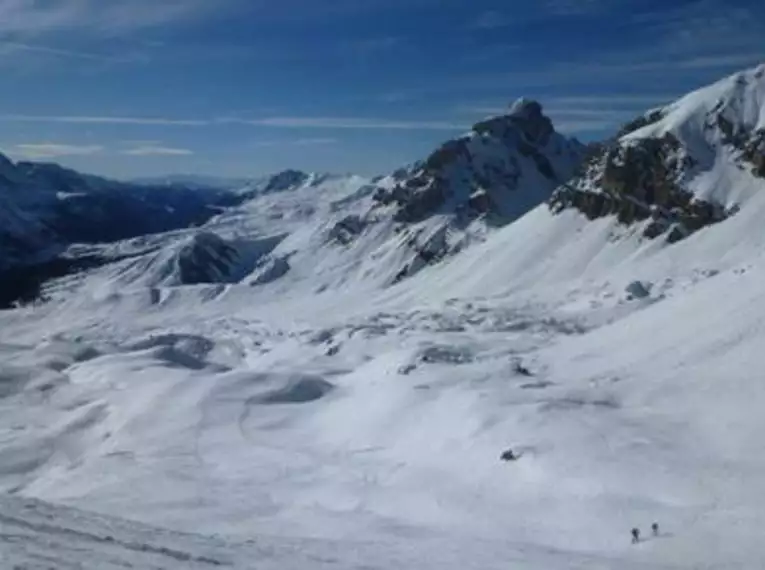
673,170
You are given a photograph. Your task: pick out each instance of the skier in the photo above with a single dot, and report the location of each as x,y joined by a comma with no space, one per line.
635,535
655,529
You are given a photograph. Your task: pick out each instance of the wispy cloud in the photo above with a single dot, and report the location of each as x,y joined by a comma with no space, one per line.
593,125
627,69
141,142
396,96
150,150
542,10
36,151
104,120
315,141
608,101
273,122
577,7
13,48
490,20
583,113
353,123
103,16
562,110
717,61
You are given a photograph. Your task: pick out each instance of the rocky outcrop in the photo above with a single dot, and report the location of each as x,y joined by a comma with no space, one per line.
285,180
269,270
637,180
753,152
427,248
650,118
502,168
347,229
206,258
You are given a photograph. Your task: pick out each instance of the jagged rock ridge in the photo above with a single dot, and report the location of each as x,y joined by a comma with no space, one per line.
504,166
660,167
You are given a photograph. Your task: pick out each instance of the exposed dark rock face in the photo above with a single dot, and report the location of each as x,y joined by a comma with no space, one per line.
501,169
347,229
207,258
426,248
484,172
481,202
285,180
678,166
753,151
270,269
640,179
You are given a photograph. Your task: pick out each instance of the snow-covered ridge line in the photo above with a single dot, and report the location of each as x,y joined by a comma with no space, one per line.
683,167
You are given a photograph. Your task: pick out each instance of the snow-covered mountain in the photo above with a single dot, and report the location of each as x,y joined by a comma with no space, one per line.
683,167
489,359
46,207
504,167
47,212
320,231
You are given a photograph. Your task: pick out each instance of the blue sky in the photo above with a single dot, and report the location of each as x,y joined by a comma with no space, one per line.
244,87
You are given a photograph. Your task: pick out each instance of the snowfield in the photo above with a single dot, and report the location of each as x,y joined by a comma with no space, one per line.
325,417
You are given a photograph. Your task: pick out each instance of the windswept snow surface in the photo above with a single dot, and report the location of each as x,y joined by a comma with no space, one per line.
363,428
312,415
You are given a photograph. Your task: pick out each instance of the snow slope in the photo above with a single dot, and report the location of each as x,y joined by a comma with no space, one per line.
383,422
707,122
339,419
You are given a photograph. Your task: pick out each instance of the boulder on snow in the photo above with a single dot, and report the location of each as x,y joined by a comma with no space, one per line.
639,290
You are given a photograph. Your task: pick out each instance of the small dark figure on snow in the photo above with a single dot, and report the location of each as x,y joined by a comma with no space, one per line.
655,529
635,535
509,455
520,369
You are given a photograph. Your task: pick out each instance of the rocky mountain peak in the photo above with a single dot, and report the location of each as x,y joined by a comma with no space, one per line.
524,107
502,168
528,116
525,118
285,180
